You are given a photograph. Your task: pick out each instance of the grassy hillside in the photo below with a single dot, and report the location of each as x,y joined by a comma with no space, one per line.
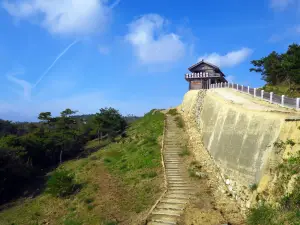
119,183
283,90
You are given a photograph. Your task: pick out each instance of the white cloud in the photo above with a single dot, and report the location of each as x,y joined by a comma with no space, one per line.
151,43
79,17
229,60
281,4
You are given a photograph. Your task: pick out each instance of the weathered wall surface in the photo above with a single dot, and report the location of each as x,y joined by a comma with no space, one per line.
239,139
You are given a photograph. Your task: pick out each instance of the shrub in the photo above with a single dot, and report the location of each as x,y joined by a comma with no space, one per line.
62,183
172,112
262,215
184,152
253,187
179,122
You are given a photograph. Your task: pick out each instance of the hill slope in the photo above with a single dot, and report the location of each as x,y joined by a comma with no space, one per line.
119,183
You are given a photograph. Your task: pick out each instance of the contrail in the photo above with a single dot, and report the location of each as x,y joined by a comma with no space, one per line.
57,58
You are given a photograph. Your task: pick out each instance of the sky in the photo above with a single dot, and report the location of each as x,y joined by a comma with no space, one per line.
130,55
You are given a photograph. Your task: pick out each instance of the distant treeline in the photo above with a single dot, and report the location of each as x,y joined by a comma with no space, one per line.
28,150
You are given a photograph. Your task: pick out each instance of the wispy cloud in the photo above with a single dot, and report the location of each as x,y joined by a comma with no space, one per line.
230,59
65,17
281,4
53,63
291,32
115,4
151,43
26,86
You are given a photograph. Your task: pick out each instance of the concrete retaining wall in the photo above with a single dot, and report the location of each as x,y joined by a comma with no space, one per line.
241,141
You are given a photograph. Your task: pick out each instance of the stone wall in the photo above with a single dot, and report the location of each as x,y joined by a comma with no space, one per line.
240,141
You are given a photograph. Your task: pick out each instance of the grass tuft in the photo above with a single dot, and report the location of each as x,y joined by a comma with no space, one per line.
184,152
179,121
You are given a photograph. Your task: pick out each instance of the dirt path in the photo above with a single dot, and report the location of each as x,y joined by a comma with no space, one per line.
179,188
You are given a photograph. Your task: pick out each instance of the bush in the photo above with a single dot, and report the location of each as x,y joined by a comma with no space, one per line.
172,112
262,215
184,152
62,183
253,187
179,122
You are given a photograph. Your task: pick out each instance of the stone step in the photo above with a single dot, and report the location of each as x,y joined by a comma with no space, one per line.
171,158
176,206
175,182
168,212
164,219
178,196
157,223
174,200
176,179
180,188
176,175
187,192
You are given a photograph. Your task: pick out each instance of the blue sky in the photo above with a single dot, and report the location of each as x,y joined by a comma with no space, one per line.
131,55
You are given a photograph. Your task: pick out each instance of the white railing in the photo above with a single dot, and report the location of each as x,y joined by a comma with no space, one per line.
258,93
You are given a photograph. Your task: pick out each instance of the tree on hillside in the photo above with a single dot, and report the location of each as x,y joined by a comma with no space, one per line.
109,121
280,68
65,125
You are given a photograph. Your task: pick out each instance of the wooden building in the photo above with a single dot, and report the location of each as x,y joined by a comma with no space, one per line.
203,74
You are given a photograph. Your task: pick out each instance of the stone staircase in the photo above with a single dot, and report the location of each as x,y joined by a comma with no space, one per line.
179,189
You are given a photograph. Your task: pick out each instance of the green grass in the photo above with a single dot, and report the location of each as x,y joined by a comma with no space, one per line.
120,181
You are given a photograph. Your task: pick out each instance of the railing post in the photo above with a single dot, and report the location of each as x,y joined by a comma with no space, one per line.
232,85
237,87
254,92
297,103
242,88
282,100
271,97
262,94
248,90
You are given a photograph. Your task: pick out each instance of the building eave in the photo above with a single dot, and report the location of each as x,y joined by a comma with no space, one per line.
199,63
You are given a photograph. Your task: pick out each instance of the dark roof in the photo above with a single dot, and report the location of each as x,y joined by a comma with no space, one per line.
203,62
